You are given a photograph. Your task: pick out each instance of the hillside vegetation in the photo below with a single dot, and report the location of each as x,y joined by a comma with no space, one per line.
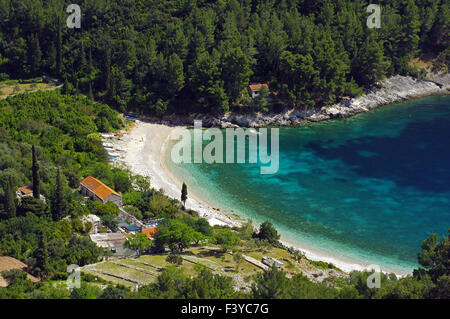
160,56
163,56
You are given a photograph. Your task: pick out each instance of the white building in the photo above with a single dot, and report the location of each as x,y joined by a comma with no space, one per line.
113,242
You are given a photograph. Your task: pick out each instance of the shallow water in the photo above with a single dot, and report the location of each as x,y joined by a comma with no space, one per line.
367,189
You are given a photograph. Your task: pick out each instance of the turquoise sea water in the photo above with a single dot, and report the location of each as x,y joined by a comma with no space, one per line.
367,189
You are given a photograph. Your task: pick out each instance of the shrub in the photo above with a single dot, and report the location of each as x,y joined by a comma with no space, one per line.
174,259
4,77
268,232
134,211
100,209
109,222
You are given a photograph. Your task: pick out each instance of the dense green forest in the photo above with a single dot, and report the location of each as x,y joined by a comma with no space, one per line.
160,56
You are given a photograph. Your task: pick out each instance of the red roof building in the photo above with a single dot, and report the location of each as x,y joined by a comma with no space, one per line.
96,190
150,232
255,88
25,191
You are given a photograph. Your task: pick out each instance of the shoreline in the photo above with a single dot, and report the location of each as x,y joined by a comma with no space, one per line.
392,90
145,147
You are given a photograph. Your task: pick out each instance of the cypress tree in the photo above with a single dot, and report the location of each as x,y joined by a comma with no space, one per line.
10,204
42,265
59,48
65,88
51,56
77,86
91,75
34,54
35,169
90,94
84,65
108,70
91,67
58,203
184,194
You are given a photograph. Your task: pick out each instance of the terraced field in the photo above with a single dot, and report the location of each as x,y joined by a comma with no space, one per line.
140,271
145,269
108,278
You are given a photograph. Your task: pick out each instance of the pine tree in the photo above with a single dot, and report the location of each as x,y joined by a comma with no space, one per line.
184,194
411,23
175,75
236,72
370,65
36,180
10,204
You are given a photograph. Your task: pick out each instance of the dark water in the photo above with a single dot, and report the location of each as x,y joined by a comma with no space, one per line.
367,189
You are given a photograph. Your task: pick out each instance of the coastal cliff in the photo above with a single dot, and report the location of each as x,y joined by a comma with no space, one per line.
392,90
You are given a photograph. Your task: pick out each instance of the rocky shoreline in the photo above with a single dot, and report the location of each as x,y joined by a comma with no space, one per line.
392,90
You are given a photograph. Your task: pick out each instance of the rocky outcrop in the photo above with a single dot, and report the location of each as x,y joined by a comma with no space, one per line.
395,89
441,79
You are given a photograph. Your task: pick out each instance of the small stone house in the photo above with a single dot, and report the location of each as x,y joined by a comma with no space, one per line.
25,191
96,190
254,89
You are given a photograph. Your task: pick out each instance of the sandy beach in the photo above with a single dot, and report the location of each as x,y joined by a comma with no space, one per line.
144,148
144,153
